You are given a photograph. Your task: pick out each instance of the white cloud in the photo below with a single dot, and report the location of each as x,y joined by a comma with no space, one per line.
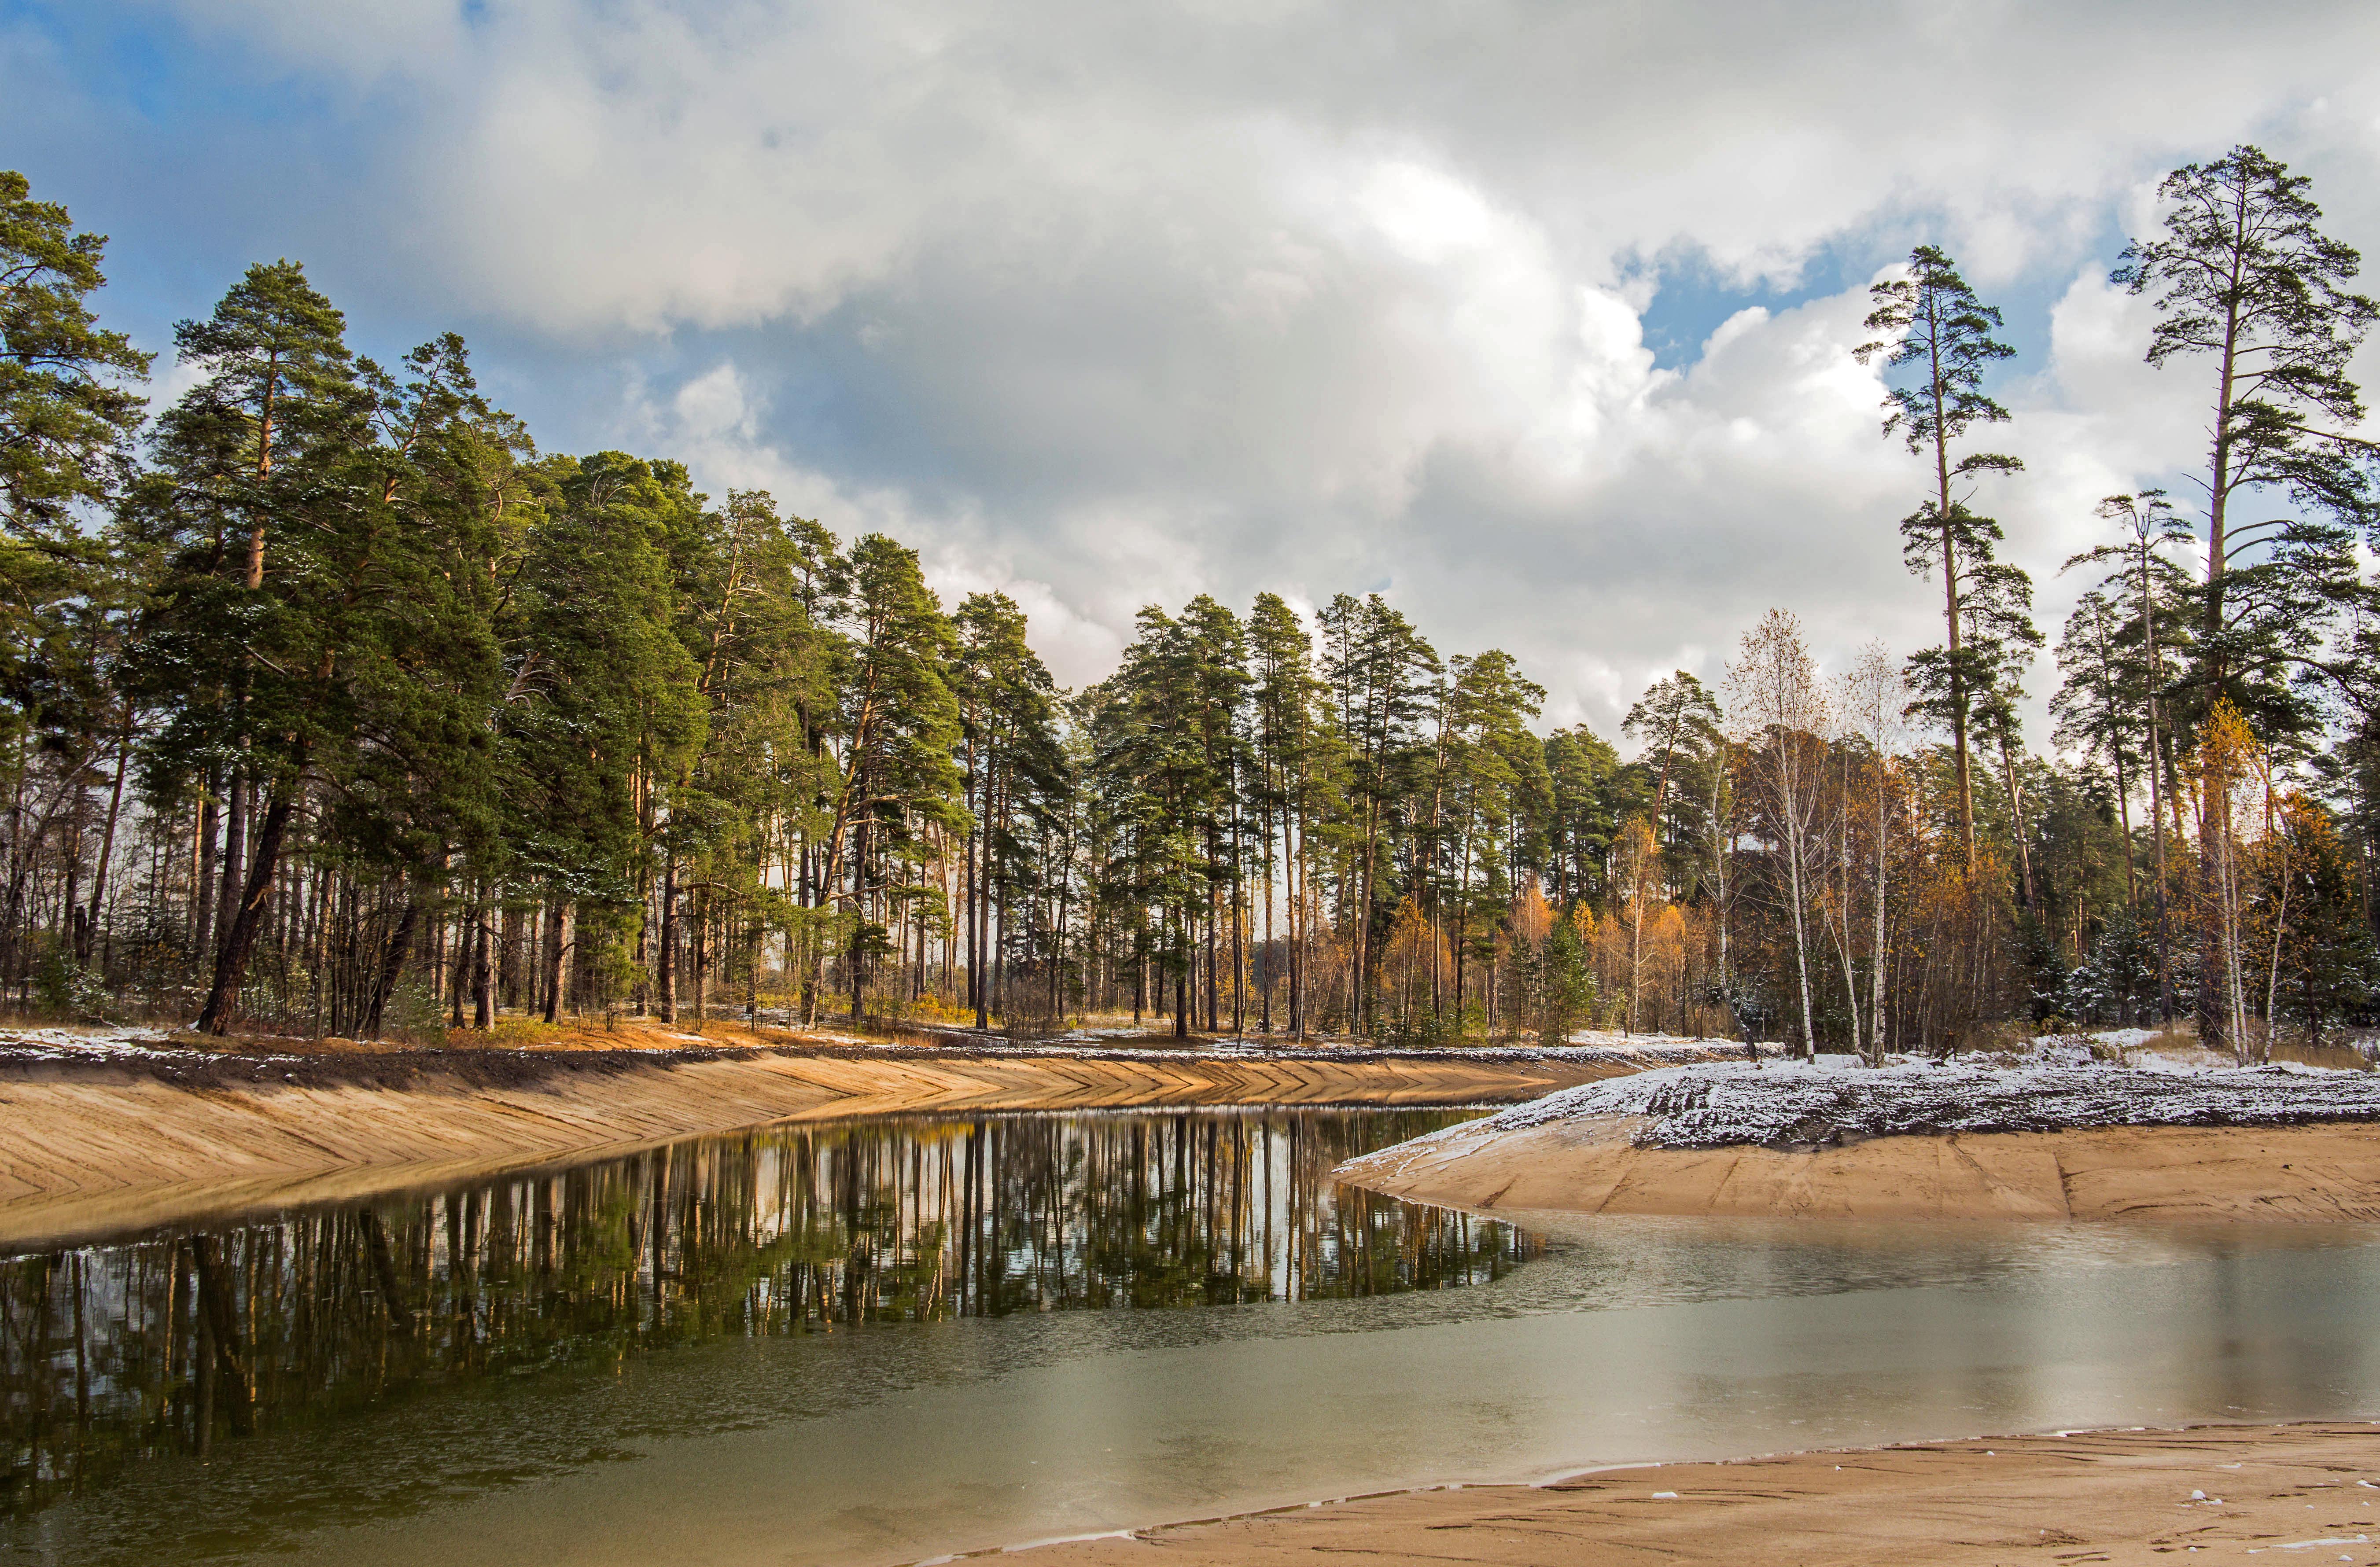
1105,305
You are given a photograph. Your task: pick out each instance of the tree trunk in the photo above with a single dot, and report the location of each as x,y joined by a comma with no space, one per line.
459,981
483,963
235,855
701,958
666,960
202,873
858,915
1936,383
1877,953
1264,1000
2016,822
392,964
106,849
557,943
979,910
231,964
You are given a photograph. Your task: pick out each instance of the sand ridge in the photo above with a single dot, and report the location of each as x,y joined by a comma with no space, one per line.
2304,1173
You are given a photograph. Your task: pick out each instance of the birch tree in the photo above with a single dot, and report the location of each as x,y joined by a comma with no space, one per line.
1870,703
1780,717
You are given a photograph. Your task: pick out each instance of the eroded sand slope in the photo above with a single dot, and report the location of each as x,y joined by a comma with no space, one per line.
84,1153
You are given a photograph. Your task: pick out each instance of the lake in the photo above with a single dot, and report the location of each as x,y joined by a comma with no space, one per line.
892,1339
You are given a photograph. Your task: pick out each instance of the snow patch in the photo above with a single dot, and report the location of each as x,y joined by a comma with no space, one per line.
1837,1100
110,1043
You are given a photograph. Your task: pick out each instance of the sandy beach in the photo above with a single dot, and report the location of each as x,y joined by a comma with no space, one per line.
2304,1493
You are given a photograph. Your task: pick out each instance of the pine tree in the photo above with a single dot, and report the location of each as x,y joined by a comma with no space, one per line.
1015,780
898,730
1677,721
2116,655
68,406
1153,750
2244,276
1216,644
2325,962
741,613
1932,321
2097,702
1297,760
612,711
1380,674
262,458
1679,725
1582,814
413,784
1499,787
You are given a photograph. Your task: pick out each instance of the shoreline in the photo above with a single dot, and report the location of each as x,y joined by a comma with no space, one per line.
111,1141
2321,1172
2118,1496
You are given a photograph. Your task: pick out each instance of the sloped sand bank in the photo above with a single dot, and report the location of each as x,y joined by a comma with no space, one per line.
87,1147
2316,1173
2123,1497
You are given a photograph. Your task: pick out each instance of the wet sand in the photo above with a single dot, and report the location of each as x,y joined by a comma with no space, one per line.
88,1148
2328,1173
2121,1497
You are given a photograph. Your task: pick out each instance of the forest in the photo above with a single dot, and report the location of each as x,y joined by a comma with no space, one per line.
335,706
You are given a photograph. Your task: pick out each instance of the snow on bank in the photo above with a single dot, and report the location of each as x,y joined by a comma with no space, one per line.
112,1043
1836,1099
59,1044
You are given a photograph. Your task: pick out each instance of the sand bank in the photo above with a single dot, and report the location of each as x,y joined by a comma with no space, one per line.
2119,1497
2321,1173
87,1147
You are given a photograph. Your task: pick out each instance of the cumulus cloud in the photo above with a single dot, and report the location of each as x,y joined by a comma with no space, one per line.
1110,304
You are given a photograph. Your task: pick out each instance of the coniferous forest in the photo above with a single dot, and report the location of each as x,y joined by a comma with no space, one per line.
335,705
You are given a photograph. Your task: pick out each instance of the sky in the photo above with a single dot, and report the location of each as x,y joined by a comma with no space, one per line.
1536,319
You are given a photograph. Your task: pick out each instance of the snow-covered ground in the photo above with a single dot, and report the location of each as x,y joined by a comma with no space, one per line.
108,1042
1612,1039
81,1041
1835,1098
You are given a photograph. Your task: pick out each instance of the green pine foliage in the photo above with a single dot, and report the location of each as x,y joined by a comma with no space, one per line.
1937,330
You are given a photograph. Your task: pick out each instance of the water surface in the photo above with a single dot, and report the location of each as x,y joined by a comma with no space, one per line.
897,1338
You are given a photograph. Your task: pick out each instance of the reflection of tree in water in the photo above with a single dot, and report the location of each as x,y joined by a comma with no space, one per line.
175,1345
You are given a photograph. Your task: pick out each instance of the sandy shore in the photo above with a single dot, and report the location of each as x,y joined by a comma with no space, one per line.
89,1149
2122,1497
2322,1172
